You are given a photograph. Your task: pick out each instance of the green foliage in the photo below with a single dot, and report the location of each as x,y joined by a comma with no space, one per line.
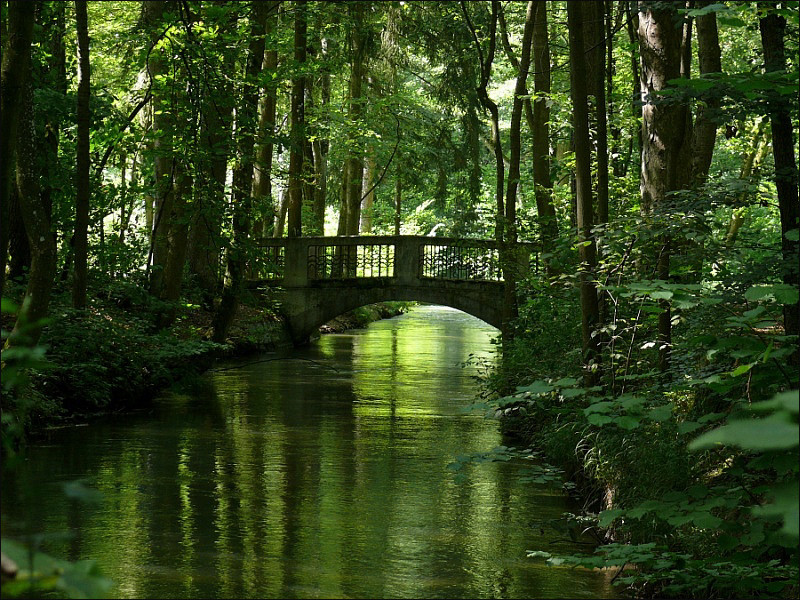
40,574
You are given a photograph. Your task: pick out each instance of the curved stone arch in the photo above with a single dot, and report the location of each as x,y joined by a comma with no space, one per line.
306,309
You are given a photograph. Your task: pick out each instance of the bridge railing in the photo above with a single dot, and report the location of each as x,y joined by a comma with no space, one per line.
404,259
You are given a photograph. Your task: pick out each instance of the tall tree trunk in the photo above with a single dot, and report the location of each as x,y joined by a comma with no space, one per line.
242,178
398,203
320,147
583,181
298,137
267,104
164,158
520,92
490,106
18,246
13,75
632,24
773,28
664,132
37,225
368,194
705,127
80,274
355,160
543,185
205,239
594,38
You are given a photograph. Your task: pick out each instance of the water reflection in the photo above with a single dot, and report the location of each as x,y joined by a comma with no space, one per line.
320,473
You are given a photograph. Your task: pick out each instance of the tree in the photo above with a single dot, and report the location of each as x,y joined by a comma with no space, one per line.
590,314
237,254
665,129
36,217
81,244
540,131
298,138
16,58
772,26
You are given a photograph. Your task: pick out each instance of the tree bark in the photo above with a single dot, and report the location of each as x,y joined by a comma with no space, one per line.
773,28
205,241
355,160
543,184
28,326
491,107
267,105
664,133
236,258
583,182
705,127
14,74
80,273
368,194
298,138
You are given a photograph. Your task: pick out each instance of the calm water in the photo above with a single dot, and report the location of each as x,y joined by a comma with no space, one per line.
321,473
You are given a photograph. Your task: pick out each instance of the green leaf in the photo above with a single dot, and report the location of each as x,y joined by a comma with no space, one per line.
793,235
789,401
606,517
771,433
537,387
661,413
627,422
661,295
598,419
742,369
598,407
688,427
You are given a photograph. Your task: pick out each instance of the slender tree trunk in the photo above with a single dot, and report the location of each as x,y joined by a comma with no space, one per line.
298,138
398,203
368,194
705,128
18,247
164,158
490,106
632,22
242,179
280,218
664,133
321,147
520,92
583,181
773,28
543,185
355,160
37,225
262,178
205,236
80,274
14,75
594,38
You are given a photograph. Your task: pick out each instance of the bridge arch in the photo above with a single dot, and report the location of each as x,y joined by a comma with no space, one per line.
308,309
318,278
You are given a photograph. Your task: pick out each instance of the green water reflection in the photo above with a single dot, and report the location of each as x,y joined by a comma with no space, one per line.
318,474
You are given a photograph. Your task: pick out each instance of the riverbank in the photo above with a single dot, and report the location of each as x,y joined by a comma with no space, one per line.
111,358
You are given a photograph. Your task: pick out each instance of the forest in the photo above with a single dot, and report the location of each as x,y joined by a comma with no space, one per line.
158,155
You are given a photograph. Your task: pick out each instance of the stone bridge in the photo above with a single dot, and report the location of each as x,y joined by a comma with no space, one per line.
318,278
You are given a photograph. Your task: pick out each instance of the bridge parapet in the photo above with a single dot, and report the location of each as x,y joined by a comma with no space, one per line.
406,260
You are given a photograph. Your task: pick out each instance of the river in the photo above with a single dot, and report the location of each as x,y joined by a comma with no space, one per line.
321,472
